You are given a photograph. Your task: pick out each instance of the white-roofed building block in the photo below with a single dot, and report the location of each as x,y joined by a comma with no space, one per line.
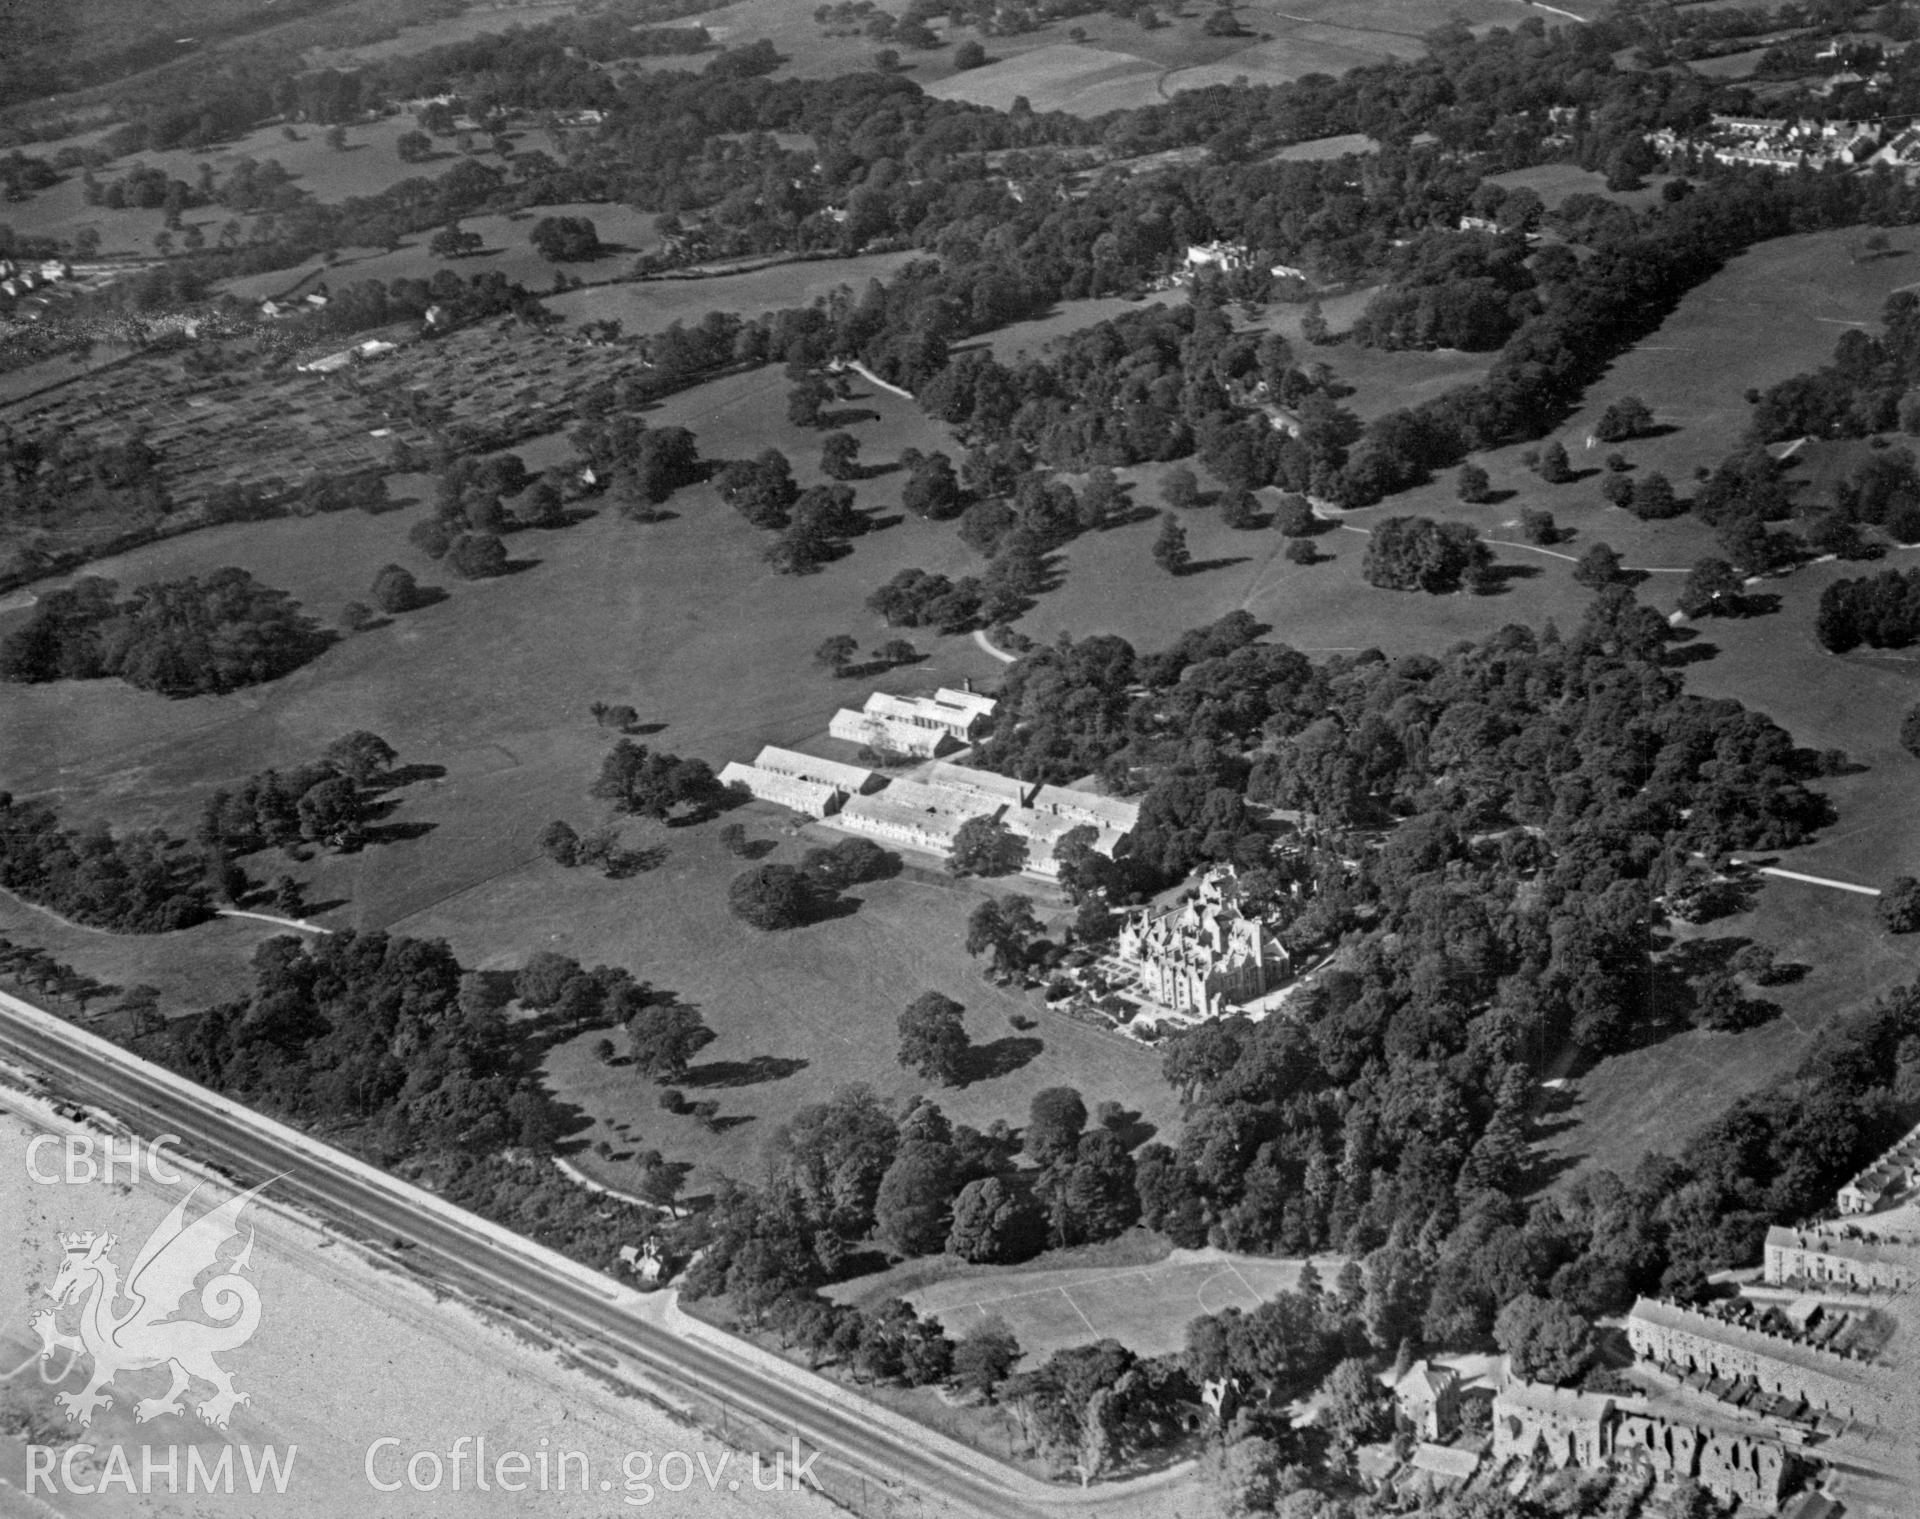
814,798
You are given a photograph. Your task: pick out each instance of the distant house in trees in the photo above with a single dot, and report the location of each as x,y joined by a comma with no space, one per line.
1226,257
1207,955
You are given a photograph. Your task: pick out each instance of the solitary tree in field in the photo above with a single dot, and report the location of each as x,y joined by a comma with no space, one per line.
1712,585
1240,509
1625,418
1554,467
772,897
337,138
933,1038
1472,483
1910,731
362,756
836,653
663,1038
1900,905
560,843
564,239
1003,929
395,590
1652,498
840,456
1180,488
1294,515
454,241
1170,550
1598,566
1537,526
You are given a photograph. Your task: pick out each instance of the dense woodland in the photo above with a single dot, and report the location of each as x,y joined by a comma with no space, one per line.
187,637
383,1045
136,883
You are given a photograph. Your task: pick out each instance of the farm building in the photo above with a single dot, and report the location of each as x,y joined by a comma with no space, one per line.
925,813
816,787
922,726
814,798
854,780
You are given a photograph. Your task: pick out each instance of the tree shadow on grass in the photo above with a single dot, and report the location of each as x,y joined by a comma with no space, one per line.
1499,578
1226,562
624,864
743,1073
410,775
986,1062
1133,1129
1690,653
396,833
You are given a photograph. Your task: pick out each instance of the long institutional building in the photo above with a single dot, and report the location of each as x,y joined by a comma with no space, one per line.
924,812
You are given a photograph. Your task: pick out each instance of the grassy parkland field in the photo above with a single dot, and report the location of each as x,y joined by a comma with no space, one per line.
682,620
505,250
1098,63
1145,1307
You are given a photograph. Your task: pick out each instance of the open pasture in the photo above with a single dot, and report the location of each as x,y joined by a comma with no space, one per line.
679,618
1146,1308
191,968
1066,76
1773,312
366,166
1320,149
649,305
495,16
798,1014
811,53
1554,182
505,250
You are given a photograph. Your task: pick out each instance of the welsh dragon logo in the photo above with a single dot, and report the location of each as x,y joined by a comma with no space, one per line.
146,1331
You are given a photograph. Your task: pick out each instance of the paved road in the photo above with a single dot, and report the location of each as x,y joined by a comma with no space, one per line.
152,1101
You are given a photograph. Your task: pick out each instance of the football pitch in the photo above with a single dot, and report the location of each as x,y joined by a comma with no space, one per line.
1145,1308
